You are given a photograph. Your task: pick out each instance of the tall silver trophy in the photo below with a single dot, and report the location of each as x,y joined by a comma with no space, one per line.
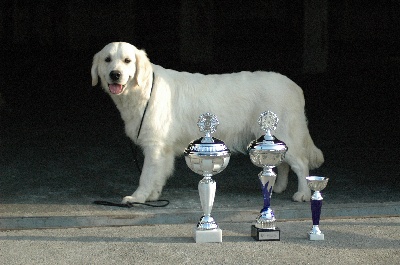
317,184
207,156
267,152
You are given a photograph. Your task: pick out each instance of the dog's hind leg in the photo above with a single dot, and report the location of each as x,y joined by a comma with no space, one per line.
299,165
282,178
157,167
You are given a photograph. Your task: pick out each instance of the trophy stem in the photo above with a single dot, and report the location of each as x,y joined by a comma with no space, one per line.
316,206
267,179
207,188
266,219
317,196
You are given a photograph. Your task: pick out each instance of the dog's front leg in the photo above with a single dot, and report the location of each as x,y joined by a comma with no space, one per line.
157,167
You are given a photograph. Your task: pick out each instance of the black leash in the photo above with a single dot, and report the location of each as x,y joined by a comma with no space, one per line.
135,159
135,154
130,205
145,109
133,146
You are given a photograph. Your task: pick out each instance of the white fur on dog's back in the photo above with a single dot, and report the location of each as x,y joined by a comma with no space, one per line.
237,108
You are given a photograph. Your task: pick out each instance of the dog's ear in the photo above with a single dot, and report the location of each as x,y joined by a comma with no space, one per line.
94,72
143,67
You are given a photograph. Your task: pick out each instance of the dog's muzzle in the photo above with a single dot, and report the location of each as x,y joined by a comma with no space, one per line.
116,88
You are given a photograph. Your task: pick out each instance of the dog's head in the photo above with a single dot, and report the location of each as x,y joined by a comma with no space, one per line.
120,65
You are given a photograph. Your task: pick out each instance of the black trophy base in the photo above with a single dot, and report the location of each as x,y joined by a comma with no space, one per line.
263,234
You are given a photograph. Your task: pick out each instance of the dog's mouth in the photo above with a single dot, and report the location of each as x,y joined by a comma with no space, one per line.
116,89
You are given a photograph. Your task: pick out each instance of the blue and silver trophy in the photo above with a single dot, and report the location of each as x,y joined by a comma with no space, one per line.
267,152
316,184
207,156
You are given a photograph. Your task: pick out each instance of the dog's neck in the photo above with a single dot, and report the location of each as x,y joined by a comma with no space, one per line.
133,104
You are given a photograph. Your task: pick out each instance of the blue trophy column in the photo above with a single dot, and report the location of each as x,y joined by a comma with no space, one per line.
316,206
266,191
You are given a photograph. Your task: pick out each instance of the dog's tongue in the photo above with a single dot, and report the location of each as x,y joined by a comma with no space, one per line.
115,88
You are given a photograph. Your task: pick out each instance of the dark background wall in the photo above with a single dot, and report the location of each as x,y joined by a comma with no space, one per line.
342,52
225,35
56,131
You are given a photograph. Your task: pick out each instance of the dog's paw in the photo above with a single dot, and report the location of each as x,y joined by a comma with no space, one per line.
279,188
154,196
301,196
132,199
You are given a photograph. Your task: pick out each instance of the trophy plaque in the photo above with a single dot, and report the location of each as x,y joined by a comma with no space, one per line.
266,152
207,156
317,184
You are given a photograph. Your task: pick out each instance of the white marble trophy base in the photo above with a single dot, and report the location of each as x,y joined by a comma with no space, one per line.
208,236
312,236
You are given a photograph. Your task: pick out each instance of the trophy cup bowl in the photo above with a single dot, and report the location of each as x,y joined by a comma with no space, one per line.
317,184
207,156
207,159
266,152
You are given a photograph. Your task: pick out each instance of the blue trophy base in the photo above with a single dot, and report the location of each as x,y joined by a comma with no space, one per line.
208,236
263,234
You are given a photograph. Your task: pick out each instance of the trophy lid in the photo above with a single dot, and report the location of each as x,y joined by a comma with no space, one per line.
207,145
268,121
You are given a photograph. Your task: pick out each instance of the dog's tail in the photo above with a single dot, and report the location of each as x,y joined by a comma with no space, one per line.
315,156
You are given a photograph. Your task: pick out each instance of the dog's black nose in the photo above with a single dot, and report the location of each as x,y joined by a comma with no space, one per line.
115,75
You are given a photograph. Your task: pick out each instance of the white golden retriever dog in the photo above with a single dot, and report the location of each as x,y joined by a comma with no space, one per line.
160,108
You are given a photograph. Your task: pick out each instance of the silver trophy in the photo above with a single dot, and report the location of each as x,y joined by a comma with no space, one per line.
207,156
267,152
316,184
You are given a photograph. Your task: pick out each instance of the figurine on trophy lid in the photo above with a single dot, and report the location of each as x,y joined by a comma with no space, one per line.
267,152
317,184
207,156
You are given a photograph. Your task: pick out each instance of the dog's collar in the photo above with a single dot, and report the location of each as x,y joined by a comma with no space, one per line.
145,108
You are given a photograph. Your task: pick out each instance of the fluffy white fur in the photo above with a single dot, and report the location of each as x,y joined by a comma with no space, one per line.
179,98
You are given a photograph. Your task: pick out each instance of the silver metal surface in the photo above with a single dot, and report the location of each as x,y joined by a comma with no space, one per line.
207,156
268,122
317,184
266,219
315,230
207,123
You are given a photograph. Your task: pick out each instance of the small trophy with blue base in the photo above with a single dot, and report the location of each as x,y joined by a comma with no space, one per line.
317,184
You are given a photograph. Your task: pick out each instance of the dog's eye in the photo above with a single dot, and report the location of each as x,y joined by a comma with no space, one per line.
127,60
108,59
